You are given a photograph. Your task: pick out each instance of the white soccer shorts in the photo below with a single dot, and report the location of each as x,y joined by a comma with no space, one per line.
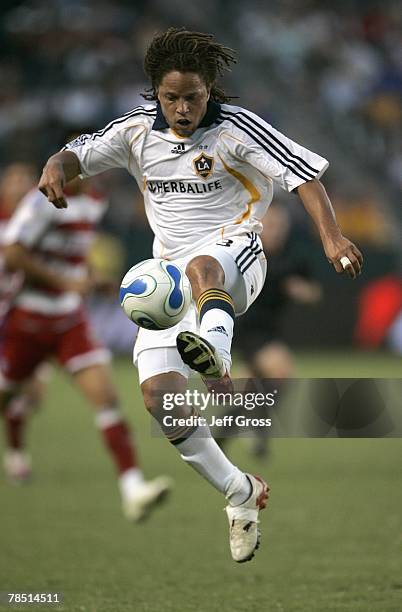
243,261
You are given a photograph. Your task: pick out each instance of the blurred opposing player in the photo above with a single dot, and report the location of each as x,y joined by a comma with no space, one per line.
15,181
206,169
48,319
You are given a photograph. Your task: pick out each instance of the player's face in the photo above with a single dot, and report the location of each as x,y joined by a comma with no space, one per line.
183,97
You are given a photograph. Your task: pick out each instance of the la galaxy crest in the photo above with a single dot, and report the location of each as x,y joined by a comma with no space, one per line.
203,165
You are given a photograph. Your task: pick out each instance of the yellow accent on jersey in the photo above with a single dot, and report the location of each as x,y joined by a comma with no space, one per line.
247,184
178,135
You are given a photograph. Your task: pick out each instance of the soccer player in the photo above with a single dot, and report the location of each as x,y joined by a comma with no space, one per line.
206,170
48,319
16,180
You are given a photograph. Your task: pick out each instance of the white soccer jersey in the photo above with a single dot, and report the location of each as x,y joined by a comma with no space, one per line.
61,239
216,183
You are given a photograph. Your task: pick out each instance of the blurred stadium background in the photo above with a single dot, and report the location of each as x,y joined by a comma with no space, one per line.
329,75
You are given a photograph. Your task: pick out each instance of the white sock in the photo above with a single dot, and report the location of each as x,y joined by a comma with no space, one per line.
129,481
107,417
217,327
205,456
239,490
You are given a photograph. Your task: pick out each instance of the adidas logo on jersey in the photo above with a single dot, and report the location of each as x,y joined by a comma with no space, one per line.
218,328
180,148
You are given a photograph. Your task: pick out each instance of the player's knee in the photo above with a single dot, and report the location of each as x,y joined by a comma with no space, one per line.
160,389
151,394
204,272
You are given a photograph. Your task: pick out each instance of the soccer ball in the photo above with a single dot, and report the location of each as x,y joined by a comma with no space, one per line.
155,294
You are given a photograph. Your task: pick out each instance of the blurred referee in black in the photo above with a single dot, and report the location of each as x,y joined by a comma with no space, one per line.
259,341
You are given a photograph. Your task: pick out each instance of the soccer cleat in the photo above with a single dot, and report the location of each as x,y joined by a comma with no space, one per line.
145,497
200,355
17,466
244,535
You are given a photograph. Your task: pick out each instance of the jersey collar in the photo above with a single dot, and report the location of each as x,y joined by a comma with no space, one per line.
213,111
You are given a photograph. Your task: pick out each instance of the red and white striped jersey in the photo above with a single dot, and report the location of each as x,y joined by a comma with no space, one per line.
61,239
10,282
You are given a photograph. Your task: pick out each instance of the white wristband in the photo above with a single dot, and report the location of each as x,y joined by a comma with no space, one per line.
345,262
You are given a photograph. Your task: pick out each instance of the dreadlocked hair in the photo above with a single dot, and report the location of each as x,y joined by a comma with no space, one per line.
185,51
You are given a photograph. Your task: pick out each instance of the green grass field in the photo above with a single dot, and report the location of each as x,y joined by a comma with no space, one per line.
332,536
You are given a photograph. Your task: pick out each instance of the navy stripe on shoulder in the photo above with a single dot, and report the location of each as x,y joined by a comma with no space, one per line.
269,147
136,108
266,131
136,112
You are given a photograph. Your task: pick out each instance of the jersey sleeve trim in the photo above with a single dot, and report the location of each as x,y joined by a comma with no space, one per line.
139,111
262,136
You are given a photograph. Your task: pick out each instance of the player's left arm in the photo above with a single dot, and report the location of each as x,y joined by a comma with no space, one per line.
251,139
318,205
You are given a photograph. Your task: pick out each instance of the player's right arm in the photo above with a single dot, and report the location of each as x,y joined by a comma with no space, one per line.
59,169
91,154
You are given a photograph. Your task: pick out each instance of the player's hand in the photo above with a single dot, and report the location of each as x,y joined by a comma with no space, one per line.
52,182
343,255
